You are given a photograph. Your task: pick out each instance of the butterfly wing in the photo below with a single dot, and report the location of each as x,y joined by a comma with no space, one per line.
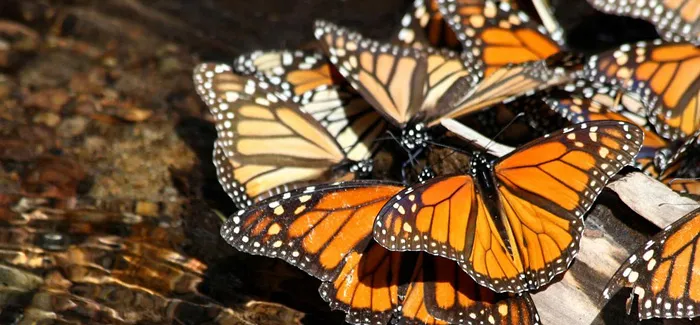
664,272
585,102
317,228
291,73
451,295
420,289
506,83
498,34
423,27
446,216
665,75
268,141
400,82
547,186
684,185
674,20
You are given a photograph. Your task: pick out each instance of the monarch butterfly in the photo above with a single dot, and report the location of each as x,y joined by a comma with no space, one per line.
498,34
326,230
664,75
664,272
675,20
584,102
267,142
414,88
515,223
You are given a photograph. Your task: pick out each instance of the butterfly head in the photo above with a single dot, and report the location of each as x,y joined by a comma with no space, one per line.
479,162
414,136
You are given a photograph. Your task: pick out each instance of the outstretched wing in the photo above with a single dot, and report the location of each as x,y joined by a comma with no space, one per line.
665,272
547,186
664,75
317,228
676,20
400,82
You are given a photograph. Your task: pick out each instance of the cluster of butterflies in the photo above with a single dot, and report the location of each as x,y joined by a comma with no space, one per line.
298,130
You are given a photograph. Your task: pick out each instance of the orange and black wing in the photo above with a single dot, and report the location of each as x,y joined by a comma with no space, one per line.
400,82
424,27
447,217
675,20
378,285
319,229
497,34
664,272
452,295
268,141
585,102
545,188
664,75
504,84
291,73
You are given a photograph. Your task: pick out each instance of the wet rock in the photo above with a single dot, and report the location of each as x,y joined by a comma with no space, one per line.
72,127
49,119
48,99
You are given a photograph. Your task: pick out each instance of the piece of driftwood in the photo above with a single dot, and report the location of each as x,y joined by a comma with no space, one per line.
470,135
611,235
652,199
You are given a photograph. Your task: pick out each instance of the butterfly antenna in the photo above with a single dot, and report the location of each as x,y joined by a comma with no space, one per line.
493,140
440,145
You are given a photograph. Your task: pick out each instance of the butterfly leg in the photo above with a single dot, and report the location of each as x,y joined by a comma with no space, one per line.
412,157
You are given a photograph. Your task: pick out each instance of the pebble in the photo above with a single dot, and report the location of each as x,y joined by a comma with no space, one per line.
49,119
72,127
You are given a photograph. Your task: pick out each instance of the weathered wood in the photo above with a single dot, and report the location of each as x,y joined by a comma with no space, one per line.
606,242
470,135
652,199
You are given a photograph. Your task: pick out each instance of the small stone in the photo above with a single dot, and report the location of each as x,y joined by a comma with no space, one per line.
146,209
72,127
49,119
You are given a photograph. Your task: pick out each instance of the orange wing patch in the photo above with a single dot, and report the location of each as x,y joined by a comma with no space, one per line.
302,226
548,185
663,273
664,75
498,34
